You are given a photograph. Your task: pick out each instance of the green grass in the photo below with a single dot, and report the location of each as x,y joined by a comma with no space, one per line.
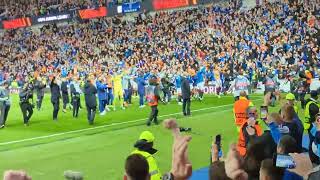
100,153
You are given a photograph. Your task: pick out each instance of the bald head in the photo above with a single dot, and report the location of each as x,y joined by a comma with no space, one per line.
243,94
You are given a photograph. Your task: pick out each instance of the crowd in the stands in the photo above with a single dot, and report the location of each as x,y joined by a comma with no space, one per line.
279,37
24,8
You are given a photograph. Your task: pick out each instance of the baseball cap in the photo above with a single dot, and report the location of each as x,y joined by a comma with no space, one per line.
147,135
290,96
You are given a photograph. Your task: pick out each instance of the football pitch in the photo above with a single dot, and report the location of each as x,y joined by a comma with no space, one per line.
45,149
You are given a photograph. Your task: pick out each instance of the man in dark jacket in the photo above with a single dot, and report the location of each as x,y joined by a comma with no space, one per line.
26,107
186,94
40,85
65,94
75,92
90,92
55,97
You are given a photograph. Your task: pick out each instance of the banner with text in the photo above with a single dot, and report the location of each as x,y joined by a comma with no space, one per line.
53,18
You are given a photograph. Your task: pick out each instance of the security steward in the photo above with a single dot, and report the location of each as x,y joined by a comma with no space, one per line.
311,111
5,103
26,107
55,97
39,85
240,107
250,129
90,92
153,96
290,101
144,147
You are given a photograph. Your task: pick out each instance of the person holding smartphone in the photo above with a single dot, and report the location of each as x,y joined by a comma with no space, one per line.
249,130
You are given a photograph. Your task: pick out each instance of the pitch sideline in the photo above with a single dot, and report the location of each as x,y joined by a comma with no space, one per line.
107,125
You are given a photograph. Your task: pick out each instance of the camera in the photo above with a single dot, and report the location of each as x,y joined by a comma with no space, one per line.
184,129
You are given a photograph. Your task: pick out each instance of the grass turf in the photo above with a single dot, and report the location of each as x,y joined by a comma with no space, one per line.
100,153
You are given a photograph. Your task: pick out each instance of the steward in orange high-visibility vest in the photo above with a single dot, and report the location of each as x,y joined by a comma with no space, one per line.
240,107
248,130
153,96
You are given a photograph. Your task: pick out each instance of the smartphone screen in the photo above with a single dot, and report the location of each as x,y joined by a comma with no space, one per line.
285,161
218,143
263,112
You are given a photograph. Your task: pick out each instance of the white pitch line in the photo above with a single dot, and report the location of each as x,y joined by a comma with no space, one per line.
103,126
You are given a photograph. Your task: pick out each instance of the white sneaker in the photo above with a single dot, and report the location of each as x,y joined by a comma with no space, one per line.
123,108
107,109
142,106
180,103
103,113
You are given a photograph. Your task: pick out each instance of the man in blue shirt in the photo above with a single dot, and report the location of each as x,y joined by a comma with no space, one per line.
141,89
102,95
200,82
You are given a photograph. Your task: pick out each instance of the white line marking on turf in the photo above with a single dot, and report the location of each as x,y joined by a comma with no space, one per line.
107,125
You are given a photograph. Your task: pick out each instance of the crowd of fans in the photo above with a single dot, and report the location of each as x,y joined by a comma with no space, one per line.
25,8
278,37
282,38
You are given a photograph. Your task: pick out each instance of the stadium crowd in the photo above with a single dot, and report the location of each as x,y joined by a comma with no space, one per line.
277,37
211,44
25,8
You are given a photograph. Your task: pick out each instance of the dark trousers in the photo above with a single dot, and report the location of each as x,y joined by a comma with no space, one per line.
102,105
166,95
186,106
91,110
75,105
3,117
130,90
39,102
56,108
153,115
141,99
6,112
110,96
27,111
127,95
65,100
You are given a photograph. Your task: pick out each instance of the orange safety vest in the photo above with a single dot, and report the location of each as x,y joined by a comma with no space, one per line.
309,77
151,97
240,107
241,146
